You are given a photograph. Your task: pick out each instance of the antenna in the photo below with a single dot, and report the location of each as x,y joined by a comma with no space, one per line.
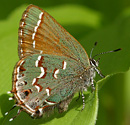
107,52
94,62
93,49
101,52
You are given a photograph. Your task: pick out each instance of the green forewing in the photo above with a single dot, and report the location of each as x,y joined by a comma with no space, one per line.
50,37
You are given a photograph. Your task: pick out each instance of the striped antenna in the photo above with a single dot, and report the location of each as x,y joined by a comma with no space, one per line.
93,49
107,52
102,52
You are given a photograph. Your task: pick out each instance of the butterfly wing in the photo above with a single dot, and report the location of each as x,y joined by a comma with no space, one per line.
39,84
39,33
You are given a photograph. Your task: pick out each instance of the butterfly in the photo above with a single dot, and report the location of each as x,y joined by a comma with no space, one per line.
53,65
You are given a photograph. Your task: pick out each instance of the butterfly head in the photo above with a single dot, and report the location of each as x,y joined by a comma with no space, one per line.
94,63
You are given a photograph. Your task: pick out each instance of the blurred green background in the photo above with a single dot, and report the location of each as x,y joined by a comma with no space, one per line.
107,22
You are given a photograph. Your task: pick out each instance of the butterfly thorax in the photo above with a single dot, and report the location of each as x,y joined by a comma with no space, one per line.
88,77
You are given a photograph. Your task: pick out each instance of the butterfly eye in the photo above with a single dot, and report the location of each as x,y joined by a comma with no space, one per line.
94,63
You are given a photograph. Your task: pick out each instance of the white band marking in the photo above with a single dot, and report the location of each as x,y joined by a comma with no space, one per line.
39,57
40,16
38,23
21,41
32,110
41,52
56,72
36,63
18,70
21,51
33,35
25,15
22,23
64,65
40,109
38,88
34,80
48,92
36,27
21,62
42,72
34,44
50,103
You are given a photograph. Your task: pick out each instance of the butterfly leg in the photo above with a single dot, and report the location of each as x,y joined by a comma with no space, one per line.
99,72
83,97
92,84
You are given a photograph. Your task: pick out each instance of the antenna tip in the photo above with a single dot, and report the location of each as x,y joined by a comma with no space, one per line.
11,119
95,43
117,49
10,98
6,113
